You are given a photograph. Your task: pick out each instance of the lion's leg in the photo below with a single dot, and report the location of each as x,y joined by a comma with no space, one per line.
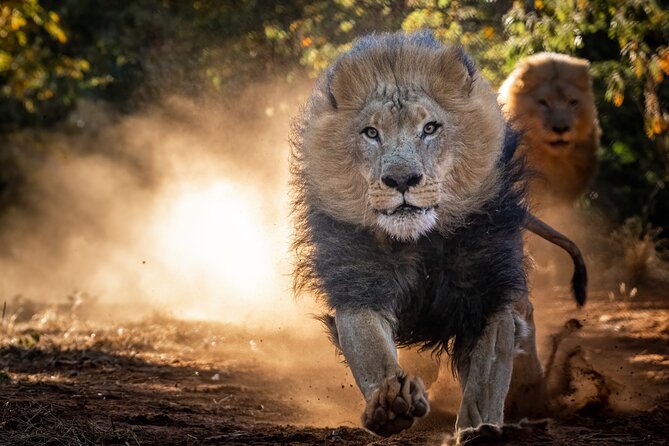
528,396
485,376
393,398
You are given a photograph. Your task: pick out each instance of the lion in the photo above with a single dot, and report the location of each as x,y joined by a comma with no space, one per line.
409,212
549,99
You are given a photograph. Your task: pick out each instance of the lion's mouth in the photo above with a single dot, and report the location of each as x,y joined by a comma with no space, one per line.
406,209
559,143
407,222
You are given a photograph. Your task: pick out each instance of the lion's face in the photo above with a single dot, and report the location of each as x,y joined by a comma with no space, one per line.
557,115
405,144
402,154
551,100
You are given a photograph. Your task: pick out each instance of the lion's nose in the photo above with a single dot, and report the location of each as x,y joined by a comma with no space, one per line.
560,129
402,182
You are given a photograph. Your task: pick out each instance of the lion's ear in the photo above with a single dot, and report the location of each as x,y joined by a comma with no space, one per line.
581,75
528,77
327,87
456,73
349,81
340,86
466,61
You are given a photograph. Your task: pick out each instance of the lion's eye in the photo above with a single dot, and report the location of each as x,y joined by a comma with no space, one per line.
430,128
370,132
573,102
543,102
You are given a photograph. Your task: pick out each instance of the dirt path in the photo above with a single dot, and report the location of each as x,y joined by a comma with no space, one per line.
163,381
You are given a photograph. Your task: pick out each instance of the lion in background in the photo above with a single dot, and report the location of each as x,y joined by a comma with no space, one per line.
549,99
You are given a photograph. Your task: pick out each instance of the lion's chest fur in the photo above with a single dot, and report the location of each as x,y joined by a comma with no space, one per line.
438,290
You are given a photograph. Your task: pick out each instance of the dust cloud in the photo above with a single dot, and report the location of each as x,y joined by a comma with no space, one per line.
181,207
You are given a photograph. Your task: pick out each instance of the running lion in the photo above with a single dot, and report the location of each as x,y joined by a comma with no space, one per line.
409,217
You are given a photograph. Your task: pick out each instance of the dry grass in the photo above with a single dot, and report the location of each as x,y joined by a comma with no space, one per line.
43,424
30,324
643,253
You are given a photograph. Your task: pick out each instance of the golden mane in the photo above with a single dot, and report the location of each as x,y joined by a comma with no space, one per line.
392,68
548,92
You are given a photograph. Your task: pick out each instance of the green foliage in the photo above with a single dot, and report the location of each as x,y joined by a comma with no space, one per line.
327,28
55,51
35,74
627,43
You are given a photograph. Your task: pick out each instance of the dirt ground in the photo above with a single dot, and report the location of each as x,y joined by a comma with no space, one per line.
68,378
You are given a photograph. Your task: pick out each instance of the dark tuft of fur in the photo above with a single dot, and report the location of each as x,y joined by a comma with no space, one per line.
330,326
468,62
511,141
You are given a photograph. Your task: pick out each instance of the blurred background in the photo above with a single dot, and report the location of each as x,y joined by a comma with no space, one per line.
122,123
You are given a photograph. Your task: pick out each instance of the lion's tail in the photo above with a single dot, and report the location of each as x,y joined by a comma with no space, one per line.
579,281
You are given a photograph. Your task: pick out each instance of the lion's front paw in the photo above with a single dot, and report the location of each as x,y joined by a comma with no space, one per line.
395,405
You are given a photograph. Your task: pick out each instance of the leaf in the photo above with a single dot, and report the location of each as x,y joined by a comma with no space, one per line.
16,22
55,31
623,152
618,99
5,61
